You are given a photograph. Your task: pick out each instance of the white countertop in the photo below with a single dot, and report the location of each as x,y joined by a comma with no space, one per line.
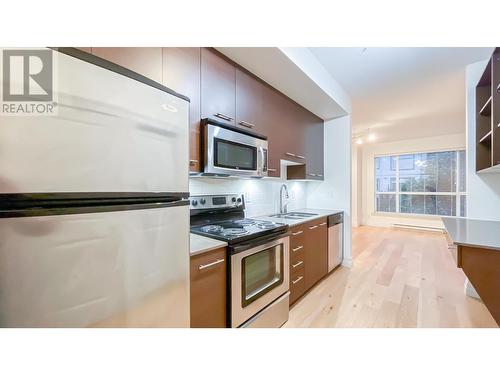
199,244
474,233
319,214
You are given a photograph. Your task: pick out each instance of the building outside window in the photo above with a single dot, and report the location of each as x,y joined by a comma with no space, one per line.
431,183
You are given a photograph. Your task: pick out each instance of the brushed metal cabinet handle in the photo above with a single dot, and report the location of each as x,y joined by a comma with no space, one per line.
297,233
272,169
298,279
313,227
301,157
203,266
193,162
322,224
290,154
246,124
224,117
297,248
320,175
312,174
297,264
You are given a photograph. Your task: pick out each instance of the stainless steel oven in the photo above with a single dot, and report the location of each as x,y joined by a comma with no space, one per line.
259,284
232,151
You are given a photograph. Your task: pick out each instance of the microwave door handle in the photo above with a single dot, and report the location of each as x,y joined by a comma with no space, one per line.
261,165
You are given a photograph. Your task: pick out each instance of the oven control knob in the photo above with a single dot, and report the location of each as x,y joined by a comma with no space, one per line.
203,201
233,199
194,203
239,200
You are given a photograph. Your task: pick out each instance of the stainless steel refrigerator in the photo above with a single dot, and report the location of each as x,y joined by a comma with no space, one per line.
94,215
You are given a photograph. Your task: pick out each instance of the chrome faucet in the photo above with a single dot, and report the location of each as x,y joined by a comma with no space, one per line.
283,207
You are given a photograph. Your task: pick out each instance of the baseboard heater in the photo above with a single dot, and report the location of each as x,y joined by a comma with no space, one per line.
419,227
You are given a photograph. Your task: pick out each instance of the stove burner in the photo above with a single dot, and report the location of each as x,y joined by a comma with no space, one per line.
264,225
244,222
234,231
211,228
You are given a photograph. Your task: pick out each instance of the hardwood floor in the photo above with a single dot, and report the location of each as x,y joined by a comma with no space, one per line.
400,278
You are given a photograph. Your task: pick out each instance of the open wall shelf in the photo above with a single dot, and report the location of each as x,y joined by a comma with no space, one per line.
488,117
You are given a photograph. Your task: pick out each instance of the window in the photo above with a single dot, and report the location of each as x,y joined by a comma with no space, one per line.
431,183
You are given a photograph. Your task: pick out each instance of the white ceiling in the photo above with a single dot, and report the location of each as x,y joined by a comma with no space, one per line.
399,93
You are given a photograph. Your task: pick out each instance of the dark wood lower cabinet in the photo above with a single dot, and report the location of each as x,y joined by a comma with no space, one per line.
482,268
208,289
308,256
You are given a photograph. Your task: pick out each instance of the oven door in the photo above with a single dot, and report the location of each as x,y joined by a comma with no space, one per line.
259,276
232,153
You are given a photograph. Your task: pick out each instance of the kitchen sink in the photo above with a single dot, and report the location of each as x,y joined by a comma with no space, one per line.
294,215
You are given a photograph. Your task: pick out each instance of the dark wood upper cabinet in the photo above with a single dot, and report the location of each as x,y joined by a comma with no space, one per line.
145,61
250,102
495,80
218,87
181,73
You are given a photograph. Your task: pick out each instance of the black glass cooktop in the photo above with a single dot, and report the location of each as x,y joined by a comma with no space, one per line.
238,230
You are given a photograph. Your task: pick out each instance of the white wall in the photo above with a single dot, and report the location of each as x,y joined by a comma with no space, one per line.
370,151
335,191
357,183
483,200
261,196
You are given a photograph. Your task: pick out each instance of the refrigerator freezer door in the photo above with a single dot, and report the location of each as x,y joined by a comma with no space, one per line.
109,269
111,134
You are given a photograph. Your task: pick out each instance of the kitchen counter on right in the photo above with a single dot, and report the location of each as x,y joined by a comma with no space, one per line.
475,233
476,245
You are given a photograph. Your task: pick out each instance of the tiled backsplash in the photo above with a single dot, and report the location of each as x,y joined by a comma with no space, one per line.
261,196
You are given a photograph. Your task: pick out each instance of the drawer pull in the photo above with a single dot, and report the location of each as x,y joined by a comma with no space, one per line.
203,266
297,248
246,124
272,169
298,279
224,117
297,233
313,227
290,154
320,175
322,224
312,174
297,264
301,157
193,162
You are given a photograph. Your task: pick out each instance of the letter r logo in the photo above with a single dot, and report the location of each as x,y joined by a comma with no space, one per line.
27,75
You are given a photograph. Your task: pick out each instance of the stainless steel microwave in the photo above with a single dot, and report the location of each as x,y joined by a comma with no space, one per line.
230,151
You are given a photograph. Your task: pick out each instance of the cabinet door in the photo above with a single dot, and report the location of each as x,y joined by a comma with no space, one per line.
218,87
495,81
316,254
181,73
313,130
145,61
249,102
208,289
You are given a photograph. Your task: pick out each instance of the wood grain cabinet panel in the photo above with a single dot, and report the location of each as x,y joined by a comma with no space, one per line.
495,79
181,73
208,289
145,61
250,102
316,251
218,87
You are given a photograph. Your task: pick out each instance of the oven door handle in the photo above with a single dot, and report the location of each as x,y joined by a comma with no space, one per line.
238,248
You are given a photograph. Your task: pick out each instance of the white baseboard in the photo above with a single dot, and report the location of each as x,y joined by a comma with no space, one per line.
347,262
470,291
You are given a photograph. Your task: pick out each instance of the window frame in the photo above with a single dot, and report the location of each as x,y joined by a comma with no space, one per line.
456,193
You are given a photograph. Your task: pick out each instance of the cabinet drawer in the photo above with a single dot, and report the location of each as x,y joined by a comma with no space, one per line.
208,289
297,236
297,285
296,264
297,253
